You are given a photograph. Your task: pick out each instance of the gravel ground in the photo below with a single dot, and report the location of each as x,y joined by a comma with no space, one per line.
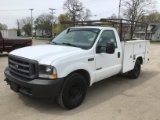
116,98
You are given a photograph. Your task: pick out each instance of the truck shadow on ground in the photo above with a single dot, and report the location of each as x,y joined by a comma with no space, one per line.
97,94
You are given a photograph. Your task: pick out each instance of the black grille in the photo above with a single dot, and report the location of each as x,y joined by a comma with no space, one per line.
23,67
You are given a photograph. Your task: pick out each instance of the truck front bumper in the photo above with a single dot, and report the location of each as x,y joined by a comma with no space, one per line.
39,88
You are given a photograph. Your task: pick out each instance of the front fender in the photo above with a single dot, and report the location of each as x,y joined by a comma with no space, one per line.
66,70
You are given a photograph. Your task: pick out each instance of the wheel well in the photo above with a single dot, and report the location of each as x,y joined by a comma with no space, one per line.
85,74
140,59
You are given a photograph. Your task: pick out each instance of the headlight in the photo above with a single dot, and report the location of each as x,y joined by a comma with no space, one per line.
47,72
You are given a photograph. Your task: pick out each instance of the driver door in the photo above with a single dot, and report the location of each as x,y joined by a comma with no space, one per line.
107,64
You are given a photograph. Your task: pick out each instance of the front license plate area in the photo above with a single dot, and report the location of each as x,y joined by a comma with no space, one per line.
14,86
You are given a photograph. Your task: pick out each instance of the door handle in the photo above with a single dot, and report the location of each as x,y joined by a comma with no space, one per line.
119,54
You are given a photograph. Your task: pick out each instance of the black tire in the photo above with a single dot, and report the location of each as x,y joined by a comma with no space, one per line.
133,74
73,91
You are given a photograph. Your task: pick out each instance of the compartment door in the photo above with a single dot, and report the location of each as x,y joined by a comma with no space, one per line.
128,62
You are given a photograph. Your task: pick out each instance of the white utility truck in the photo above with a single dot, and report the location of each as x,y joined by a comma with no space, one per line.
73,61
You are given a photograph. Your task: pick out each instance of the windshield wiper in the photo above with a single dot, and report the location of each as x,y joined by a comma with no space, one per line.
69,44
52,42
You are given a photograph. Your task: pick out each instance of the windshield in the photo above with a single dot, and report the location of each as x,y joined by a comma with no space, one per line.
77,37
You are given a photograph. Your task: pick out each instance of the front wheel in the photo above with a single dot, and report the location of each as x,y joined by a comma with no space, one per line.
133,74
73,91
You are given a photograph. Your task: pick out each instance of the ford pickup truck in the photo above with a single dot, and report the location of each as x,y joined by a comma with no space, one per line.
9,44
74,60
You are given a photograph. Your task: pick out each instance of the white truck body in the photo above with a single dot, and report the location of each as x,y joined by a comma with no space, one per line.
134,49
65,68
67,59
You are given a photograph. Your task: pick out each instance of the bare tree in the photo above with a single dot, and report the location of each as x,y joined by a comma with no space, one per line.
25,24
153,17
76,10
85,15
134,10
113,16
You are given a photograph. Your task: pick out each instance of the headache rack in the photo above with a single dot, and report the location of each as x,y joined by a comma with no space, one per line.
126,28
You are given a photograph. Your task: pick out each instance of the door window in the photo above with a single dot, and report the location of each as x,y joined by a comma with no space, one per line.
106,37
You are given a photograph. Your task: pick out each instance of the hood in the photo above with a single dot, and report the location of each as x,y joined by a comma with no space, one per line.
45,54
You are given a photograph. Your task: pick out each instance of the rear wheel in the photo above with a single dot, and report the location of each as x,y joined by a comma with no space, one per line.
133,74
73,91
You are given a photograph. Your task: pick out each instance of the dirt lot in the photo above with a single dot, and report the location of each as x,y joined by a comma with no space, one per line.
116,98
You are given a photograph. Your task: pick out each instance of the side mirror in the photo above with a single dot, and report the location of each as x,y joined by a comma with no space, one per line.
110,48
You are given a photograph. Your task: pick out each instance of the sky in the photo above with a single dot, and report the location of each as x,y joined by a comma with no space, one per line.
11,10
